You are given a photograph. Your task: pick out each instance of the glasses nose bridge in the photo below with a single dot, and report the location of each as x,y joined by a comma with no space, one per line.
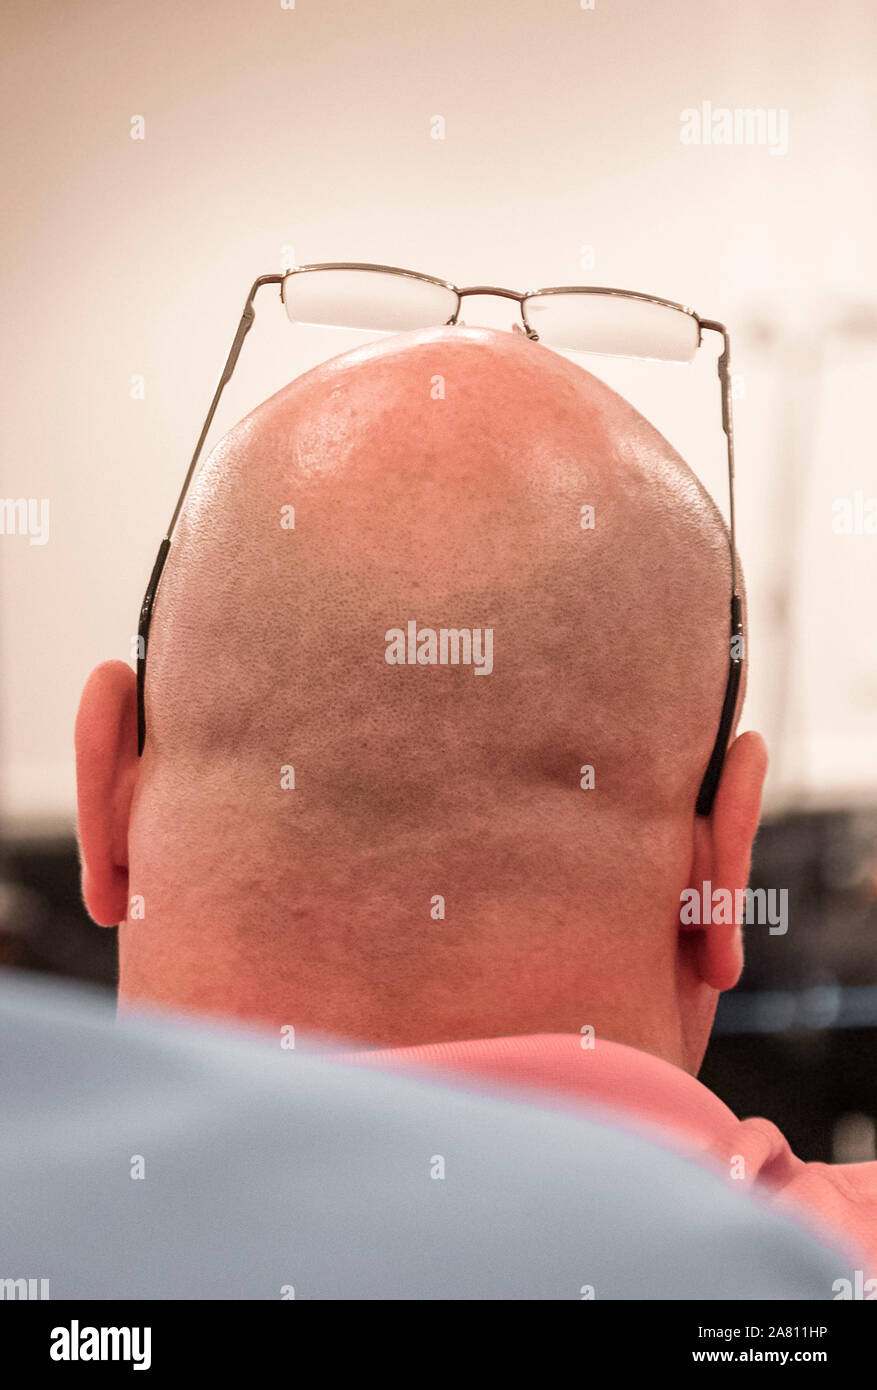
496,290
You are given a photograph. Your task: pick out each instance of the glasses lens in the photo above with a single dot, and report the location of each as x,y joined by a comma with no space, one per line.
374,299
615,324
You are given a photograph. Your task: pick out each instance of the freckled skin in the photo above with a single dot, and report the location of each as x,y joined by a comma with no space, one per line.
311,906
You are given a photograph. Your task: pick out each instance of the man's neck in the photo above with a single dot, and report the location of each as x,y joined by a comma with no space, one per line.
406,1006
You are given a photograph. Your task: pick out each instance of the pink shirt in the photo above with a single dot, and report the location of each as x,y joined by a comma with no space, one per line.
669,1105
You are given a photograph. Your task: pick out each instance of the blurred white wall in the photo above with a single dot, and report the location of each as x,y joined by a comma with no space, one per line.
312,128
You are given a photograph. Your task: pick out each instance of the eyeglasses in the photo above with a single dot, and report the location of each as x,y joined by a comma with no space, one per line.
578,318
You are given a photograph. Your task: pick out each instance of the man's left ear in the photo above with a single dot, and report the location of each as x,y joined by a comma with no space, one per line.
106,772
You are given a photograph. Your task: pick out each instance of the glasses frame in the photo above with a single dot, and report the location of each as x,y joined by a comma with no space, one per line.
710,781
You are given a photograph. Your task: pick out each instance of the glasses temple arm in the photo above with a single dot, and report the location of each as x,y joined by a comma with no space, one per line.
243,329
709,784
234,353
723,367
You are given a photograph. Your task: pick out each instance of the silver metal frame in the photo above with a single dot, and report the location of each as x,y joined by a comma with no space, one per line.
713,771
520,296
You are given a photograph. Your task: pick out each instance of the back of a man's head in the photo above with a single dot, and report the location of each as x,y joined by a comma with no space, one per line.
335,823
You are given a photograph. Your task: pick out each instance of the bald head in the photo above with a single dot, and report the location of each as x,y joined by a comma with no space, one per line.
443,479
411,600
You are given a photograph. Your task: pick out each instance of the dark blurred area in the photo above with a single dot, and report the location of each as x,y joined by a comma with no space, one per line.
795,1042
43,923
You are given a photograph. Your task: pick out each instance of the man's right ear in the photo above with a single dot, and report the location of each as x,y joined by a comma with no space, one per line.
106,772
723,853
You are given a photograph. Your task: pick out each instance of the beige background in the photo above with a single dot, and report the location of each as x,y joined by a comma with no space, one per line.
311,128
